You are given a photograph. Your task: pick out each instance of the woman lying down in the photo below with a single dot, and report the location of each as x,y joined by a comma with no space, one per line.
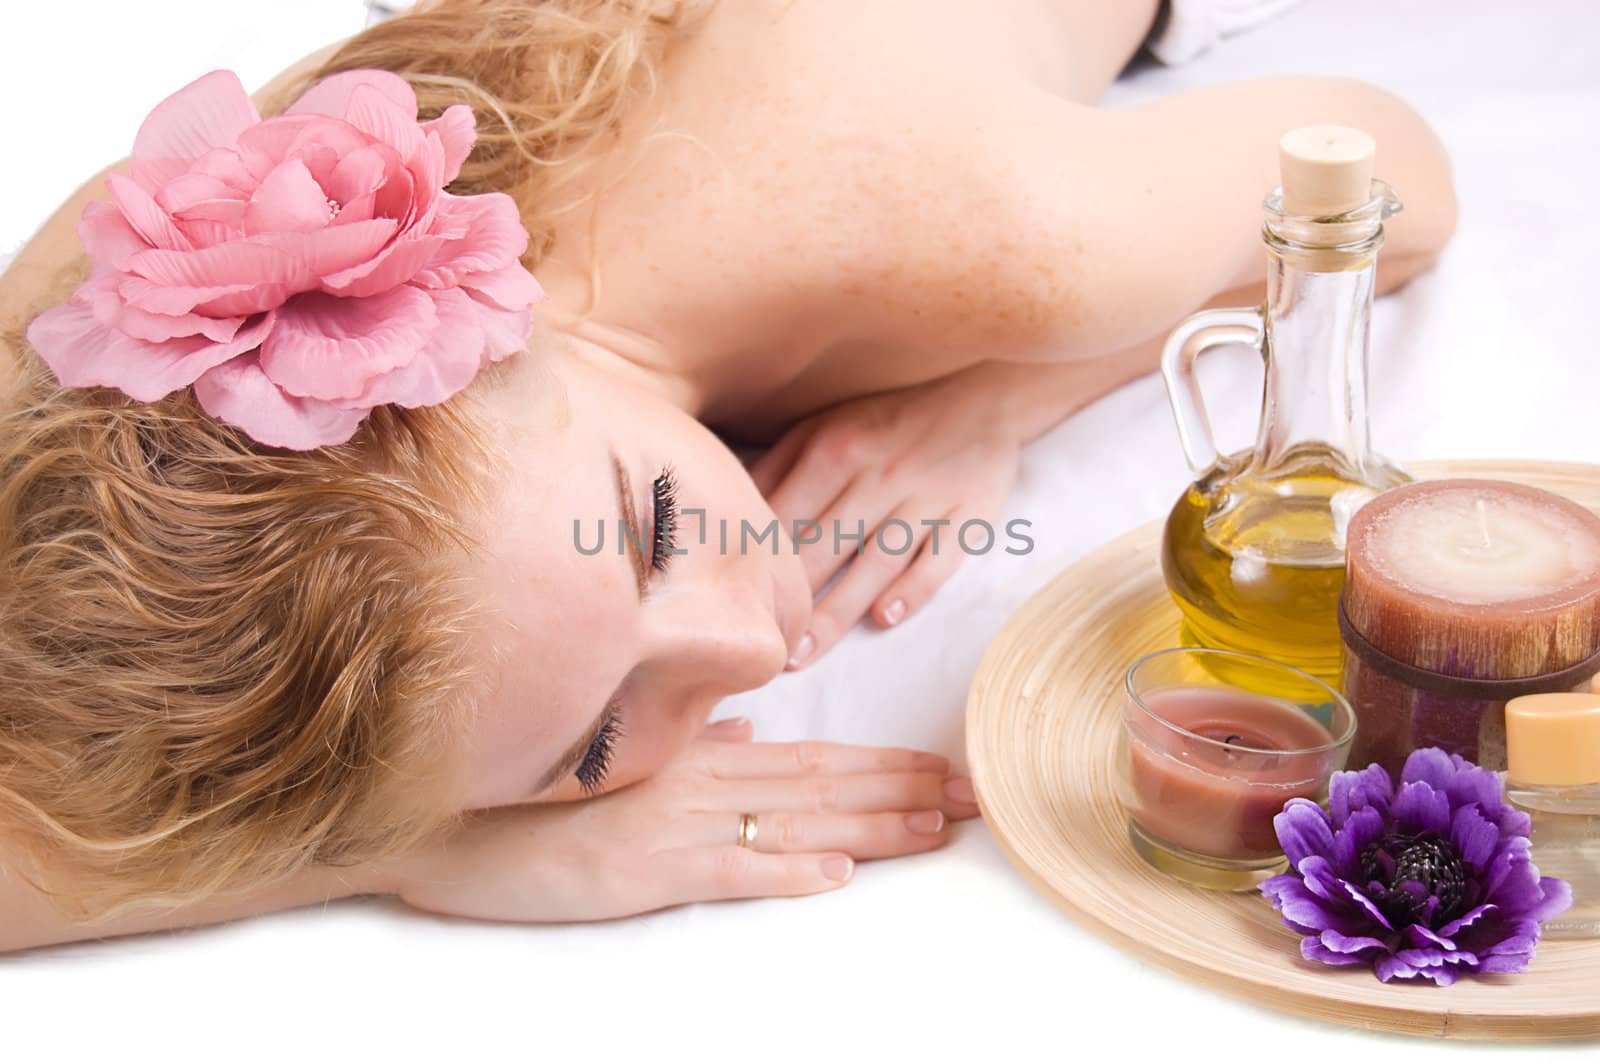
294,446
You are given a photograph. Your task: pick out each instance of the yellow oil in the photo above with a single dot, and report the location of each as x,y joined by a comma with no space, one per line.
1256,564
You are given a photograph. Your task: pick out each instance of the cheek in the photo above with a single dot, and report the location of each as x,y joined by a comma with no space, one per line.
652,740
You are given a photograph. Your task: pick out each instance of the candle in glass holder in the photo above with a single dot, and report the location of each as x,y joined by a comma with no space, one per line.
1208,763
1460,594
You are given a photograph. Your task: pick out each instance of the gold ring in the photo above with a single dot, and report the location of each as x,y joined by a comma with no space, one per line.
747,830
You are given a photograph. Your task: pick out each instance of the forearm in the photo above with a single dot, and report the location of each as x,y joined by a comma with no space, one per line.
28,919
1067,232
1035,397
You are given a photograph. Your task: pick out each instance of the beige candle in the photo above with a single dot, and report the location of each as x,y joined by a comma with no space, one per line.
1476,579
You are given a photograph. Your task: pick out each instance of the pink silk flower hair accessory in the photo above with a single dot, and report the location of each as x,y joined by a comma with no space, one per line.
298,271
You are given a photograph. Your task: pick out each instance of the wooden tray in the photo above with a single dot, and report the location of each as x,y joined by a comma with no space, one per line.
1042,720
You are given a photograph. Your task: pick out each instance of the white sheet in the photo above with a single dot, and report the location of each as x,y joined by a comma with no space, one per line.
1491,355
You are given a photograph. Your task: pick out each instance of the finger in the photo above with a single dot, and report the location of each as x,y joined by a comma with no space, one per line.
845,533
877,792
724,872
888,553
939,556
729,730
864,836
774,466
811,485
780,760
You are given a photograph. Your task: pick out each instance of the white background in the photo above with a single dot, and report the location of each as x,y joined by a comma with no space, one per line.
949,955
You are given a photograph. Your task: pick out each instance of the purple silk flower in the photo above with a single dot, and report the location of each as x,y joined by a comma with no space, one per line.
1432,881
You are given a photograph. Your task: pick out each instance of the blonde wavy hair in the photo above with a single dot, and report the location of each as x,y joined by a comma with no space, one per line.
219,663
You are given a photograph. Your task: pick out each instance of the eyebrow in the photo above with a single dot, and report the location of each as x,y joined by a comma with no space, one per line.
569,761
628,518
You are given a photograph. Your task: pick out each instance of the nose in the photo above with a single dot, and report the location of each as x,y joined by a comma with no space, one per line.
715,639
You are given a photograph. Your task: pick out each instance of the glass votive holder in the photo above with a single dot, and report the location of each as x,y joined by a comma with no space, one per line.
1214,743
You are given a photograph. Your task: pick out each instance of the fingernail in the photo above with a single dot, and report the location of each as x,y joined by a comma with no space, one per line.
837,869
802,651
894,612
959,789
731,723
930,763
927,822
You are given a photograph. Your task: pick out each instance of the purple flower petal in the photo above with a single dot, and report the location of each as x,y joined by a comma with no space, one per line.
1505,964
1351,943
1303,831
1421,808
1361,829
1355,894
1312,950
1388,968
1305,913
1476,785
1429,765
1421,937
1474,836
1349,791
1472,917
1557,899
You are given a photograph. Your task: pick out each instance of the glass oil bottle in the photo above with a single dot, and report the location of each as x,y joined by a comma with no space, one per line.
1253,552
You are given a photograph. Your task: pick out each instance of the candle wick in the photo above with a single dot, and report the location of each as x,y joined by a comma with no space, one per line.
1230,740
1483,524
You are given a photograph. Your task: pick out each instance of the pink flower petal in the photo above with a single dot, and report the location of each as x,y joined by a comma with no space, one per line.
226,166
250,299
102,294
338,247
457,131
107,236
451,358
145,215
174,299
511,288
264,146
385,119
188,189
331,95
360,173
293,259
241,262
84,353
394,265
505,332
153,174
326,347
288,201
492,238
207,113
240,394
203,232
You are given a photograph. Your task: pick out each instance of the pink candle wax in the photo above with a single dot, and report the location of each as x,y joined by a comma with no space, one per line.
1211,767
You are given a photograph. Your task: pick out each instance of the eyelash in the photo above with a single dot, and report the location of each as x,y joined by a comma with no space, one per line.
591,772
664,525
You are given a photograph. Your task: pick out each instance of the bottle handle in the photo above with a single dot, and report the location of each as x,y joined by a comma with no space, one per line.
1193,336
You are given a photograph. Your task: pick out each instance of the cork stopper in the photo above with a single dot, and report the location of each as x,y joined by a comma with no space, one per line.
1326,170
1553,740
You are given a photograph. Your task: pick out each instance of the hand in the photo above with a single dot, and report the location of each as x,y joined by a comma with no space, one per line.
911,467
671,839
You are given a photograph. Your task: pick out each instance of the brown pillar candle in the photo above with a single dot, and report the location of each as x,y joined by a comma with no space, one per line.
1476,580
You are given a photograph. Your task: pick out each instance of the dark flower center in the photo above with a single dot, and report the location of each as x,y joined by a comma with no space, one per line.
1408,870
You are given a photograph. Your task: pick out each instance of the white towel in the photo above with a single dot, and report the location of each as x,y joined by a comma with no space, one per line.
1190,27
